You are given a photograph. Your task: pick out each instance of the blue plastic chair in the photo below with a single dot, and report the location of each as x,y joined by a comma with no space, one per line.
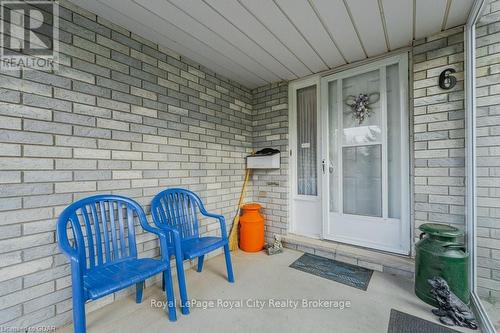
176,211
103,251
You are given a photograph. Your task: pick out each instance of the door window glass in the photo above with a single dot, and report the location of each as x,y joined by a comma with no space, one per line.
307,177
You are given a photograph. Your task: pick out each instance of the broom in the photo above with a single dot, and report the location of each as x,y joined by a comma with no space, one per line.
233,236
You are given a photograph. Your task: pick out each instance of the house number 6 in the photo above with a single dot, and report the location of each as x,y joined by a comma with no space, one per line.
446,80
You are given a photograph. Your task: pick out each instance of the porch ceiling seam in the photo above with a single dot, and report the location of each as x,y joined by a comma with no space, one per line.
384,24
446,14
322,21
414,18
355,27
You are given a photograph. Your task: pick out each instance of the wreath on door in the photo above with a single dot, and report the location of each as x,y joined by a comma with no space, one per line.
360,105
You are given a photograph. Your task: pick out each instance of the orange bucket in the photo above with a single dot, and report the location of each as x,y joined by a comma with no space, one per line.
251,228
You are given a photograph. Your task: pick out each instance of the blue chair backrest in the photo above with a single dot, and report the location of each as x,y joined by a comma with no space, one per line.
102,230
178,209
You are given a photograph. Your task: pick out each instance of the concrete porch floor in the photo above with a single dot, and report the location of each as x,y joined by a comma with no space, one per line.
259,276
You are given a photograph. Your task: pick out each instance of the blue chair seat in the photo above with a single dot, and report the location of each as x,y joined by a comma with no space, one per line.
195,247
104,280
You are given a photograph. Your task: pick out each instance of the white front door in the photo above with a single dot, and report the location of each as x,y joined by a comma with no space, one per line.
365,154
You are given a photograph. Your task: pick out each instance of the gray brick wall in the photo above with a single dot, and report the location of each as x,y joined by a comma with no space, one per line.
126,116
488,152
123,116
270,129
438,132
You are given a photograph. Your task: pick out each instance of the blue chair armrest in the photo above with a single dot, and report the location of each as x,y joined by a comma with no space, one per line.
63,241
162,235
222,221
167,229
176,237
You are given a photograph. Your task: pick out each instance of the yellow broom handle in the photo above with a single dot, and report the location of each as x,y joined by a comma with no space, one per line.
243,190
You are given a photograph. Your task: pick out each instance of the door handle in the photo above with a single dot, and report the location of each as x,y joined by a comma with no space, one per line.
330,166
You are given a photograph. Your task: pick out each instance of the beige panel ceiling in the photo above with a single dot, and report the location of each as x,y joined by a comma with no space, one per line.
256,42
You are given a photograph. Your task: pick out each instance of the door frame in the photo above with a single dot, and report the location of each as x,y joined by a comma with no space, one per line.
405,236
292,146
484,320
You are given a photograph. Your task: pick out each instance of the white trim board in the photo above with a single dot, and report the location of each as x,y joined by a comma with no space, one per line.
470,127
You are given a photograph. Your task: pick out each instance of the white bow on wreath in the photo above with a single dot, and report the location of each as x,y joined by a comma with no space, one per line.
360,105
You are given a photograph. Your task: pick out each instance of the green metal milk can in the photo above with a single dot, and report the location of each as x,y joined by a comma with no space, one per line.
438,253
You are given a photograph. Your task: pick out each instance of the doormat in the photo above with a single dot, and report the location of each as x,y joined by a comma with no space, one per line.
401,322
351,275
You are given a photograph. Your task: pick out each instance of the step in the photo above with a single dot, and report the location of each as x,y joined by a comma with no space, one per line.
379,261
